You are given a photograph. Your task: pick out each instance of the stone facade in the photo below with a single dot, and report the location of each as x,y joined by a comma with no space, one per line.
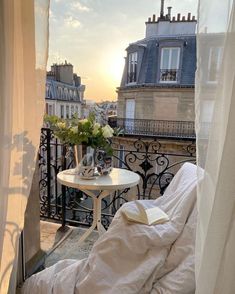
159,103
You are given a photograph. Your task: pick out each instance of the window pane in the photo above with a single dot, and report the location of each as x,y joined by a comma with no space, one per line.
132,67
174,58
165,58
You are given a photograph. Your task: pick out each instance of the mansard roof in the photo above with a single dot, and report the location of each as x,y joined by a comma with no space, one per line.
60,91
149,58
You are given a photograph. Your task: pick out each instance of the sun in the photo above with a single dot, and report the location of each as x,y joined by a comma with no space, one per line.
114,67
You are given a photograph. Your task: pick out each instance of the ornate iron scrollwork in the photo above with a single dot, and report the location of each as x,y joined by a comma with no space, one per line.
151,159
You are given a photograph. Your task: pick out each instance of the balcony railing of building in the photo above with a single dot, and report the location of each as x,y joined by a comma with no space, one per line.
169,75
155,162
158,128
131,77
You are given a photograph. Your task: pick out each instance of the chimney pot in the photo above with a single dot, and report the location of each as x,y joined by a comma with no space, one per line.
162,9
189,16
193,18
169,12
173,18
178,17
183,18
154,18
149,19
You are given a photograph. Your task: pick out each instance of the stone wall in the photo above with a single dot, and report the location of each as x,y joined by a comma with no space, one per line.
159,103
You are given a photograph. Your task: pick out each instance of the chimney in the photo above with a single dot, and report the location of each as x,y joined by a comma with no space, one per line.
173,18
149,19
162,9
169,12
189,16
154,18
193,18
183,18
178,17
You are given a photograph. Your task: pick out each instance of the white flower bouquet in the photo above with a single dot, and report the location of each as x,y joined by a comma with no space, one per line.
87,131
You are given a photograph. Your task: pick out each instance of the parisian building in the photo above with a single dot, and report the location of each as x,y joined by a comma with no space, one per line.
64,91
158,79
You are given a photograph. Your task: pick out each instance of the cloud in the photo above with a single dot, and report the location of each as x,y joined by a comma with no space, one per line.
77,5
70,21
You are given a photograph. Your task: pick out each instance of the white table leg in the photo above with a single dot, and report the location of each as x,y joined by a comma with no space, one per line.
96,214
94,223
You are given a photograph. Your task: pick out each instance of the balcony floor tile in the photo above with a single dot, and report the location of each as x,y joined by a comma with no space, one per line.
69,248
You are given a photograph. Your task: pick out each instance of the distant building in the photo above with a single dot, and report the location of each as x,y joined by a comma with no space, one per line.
64,91
158,79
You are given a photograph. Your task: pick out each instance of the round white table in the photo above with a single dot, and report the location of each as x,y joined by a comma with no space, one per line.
118,179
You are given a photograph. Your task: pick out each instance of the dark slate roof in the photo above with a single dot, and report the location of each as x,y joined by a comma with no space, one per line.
60,91
148,69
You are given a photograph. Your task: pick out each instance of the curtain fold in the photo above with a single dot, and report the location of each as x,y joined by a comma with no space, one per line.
215,124
23,57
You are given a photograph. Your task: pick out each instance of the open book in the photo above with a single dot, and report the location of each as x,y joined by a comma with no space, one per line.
148,216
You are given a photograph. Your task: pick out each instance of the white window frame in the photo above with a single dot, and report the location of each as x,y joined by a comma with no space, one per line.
132,66
218,64
169,64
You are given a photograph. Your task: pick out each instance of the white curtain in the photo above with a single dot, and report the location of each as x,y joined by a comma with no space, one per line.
215,127
23,57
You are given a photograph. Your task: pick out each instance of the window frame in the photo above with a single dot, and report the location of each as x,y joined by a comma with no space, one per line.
132,64
169,64
218,64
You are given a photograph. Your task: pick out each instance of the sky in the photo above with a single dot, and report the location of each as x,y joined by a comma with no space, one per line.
93,36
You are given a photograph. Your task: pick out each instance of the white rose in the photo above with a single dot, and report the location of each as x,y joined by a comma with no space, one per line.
83,121
107,131
74,130
96,129
61,125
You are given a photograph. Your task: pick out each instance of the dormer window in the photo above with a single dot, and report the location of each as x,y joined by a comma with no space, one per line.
169,68
132,68
214,64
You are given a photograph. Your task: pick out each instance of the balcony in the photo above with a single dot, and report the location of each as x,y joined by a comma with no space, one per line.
169,75
66,212
155,161
157,128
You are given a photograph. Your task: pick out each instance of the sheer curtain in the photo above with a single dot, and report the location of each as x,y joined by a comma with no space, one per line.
23,56
215,127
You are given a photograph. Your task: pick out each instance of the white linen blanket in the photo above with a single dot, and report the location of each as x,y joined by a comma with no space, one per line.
133,258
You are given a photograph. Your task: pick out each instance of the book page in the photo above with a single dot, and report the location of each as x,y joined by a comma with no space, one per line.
146,216
156,215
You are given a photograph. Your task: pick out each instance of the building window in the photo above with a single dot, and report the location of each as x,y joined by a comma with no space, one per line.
67,111
170,60
47,91
50,109
130,115
72,110
66,93
62,111
214,64
132,68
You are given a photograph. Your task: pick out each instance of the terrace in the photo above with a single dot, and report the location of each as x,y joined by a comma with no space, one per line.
66,212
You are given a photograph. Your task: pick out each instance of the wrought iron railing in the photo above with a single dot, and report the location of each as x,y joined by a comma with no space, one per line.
131,77
169,75
156,162
158,128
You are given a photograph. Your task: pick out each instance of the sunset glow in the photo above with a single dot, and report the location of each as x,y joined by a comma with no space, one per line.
93,36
